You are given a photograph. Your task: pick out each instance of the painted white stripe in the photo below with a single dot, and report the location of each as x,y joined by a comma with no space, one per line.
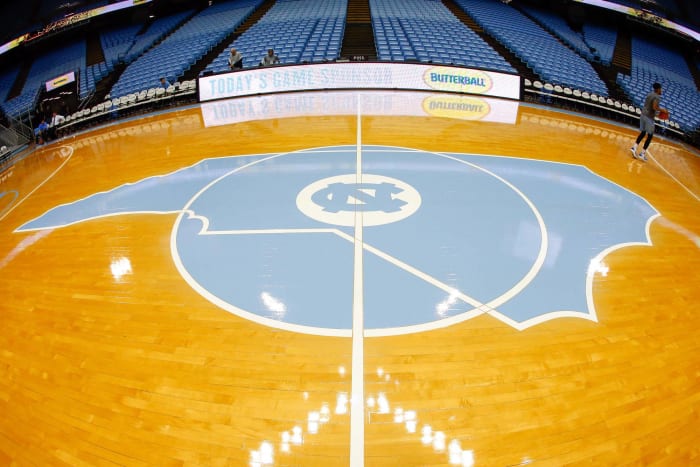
42,183
673,177
274,231
357,401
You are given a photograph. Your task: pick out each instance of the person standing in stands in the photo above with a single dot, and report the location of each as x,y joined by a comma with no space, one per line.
646,121
235,60
270,58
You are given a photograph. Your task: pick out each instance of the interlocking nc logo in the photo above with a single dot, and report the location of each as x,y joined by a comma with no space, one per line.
360,197
382,200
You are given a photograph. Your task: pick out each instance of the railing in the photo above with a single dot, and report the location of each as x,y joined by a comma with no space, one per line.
144,101
560,96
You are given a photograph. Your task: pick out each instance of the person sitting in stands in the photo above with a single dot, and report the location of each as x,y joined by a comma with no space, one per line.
270,58
41,132
164,83
57,119
235,60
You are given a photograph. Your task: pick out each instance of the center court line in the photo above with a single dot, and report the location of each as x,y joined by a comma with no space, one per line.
369,248
357,400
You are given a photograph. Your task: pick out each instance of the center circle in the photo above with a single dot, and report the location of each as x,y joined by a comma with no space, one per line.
381,199
271,240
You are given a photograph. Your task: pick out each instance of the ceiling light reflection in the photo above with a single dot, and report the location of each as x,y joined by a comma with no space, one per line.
325,413
597,265
443,307
371,402
120,268
341,406
265,455
428,437
382,403
313,422
277,308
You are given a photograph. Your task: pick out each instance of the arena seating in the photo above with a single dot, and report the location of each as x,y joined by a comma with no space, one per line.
115,43
183,47
55,63
155,32
602,40
298,31
544,54
404,30
425,30
653,62
558,26
7,77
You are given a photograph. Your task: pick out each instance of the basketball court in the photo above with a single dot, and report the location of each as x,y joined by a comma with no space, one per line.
351,278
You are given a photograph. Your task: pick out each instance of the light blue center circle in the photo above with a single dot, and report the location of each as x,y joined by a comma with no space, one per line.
246,247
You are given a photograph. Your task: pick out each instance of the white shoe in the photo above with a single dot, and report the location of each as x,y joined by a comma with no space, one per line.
642,156
634,152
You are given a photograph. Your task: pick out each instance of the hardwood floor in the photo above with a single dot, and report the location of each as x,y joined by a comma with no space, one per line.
107,357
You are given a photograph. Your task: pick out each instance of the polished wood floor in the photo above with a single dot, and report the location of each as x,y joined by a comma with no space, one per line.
142,370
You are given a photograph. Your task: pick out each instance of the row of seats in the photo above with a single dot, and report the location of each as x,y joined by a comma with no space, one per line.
185,46
652,62
540,51
425,30
601,39
47,66
298,31
130,101
549,90
422,30
560,28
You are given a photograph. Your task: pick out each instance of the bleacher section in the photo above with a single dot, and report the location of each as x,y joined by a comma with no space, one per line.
560,60
298,30
48,66
547,57
116,42
184,47
652,62
7,78
155,32
425,30
557,26
602,39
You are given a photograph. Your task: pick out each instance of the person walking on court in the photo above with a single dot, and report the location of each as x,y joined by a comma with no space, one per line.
646,121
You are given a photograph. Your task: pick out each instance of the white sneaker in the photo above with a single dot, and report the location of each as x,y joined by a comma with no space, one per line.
634,152
642,156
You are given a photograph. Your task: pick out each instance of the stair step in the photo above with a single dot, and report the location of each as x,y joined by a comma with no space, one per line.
359,35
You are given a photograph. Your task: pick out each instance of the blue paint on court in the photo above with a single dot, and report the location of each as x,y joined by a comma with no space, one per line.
517,234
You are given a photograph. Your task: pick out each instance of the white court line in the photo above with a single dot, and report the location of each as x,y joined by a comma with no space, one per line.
42,183
357,400
375,251
273,231
674,178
